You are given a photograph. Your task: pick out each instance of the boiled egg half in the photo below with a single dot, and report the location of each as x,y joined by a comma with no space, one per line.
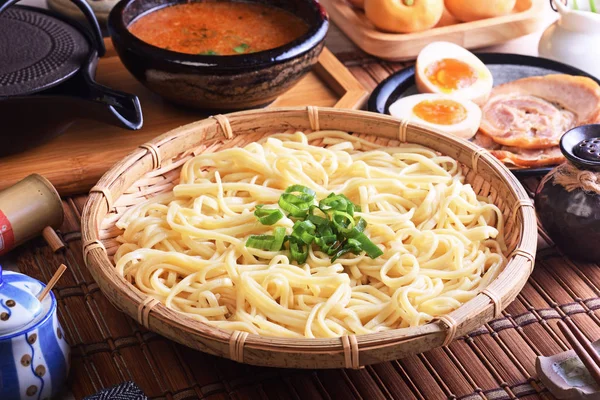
441,112
447,68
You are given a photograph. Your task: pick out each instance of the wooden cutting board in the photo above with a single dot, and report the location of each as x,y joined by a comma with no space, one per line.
76,160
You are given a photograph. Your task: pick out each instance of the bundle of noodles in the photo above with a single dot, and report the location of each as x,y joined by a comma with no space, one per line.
440,244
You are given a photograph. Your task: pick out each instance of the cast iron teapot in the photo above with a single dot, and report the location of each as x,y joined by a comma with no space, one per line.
47,68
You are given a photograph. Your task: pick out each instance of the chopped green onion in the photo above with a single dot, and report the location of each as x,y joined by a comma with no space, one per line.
326,242
304,231
301,189
333,202
358,228
351,246
326,239
315,219
208,53
330,225
297,206
298,251
367,246
279,238
267,216
241,48
340,253
338,202
342,221
267,242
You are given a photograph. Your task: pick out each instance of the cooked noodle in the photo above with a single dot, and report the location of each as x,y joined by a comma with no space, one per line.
442,244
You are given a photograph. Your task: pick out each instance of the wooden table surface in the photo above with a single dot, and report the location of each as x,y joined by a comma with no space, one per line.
494,362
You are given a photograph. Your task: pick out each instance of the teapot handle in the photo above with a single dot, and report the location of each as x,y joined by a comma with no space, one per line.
87,12
105,104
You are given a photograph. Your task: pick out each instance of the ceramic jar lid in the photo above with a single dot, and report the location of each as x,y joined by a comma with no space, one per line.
581,146
19,305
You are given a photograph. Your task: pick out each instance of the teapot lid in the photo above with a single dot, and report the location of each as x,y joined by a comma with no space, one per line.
19,305
38,50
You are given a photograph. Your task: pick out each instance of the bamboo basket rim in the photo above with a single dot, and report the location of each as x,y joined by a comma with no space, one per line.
153,314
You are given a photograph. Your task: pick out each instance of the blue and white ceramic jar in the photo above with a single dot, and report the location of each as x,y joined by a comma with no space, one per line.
34,356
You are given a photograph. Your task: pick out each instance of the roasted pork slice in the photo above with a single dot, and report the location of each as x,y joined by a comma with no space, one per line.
523,158
529,158
533,113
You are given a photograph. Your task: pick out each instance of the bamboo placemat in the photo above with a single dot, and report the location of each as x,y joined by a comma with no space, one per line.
494,362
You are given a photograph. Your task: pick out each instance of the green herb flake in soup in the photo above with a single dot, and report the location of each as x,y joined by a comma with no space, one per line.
241,48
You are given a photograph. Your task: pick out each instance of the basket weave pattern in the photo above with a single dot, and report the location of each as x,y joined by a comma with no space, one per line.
154,168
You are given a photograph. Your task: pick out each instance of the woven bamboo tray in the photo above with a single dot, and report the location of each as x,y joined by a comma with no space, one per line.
154,168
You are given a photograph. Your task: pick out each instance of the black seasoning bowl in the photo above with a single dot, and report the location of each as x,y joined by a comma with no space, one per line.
218,82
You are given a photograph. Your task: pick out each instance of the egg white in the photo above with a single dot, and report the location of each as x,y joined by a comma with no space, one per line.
478,92
466,129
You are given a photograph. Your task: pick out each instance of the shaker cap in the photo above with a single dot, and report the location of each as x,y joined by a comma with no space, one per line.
19,305
581,146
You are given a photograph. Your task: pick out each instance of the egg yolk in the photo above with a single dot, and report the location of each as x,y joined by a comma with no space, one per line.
441,112
450,74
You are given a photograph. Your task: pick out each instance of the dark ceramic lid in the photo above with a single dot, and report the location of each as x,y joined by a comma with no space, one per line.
581,146
37,51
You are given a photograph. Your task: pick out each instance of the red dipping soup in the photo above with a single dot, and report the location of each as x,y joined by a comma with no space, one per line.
218,28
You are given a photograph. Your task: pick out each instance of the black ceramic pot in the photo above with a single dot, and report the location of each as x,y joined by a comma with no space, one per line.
47,68
572,218
218,82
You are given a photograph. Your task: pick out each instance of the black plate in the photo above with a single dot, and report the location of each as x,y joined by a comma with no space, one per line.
504,68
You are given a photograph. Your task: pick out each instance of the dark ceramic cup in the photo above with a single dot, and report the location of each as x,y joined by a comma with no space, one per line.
218,82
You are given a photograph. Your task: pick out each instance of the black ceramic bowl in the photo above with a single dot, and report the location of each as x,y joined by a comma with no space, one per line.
218,82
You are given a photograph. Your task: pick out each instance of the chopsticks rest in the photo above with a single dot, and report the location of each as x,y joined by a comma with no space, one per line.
573,374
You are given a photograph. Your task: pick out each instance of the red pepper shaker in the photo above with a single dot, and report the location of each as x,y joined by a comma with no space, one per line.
28,208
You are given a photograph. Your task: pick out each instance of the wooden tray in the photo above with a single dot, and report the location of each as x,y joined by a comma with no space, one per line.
76,160
527,17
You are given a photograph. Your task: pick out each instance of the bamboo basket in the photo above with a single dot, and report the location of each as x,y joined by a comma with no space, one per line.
154,168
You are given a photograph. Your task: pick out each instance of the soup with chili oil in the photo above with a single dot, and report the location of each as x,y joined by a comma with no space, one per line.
221,28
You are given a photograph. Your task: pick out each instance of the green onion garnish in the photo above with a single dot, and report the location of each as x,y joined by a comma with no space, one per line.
296,205
367,246
330,225
241,48
342,221
267,216
298,251
304,231
301,189
268,242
